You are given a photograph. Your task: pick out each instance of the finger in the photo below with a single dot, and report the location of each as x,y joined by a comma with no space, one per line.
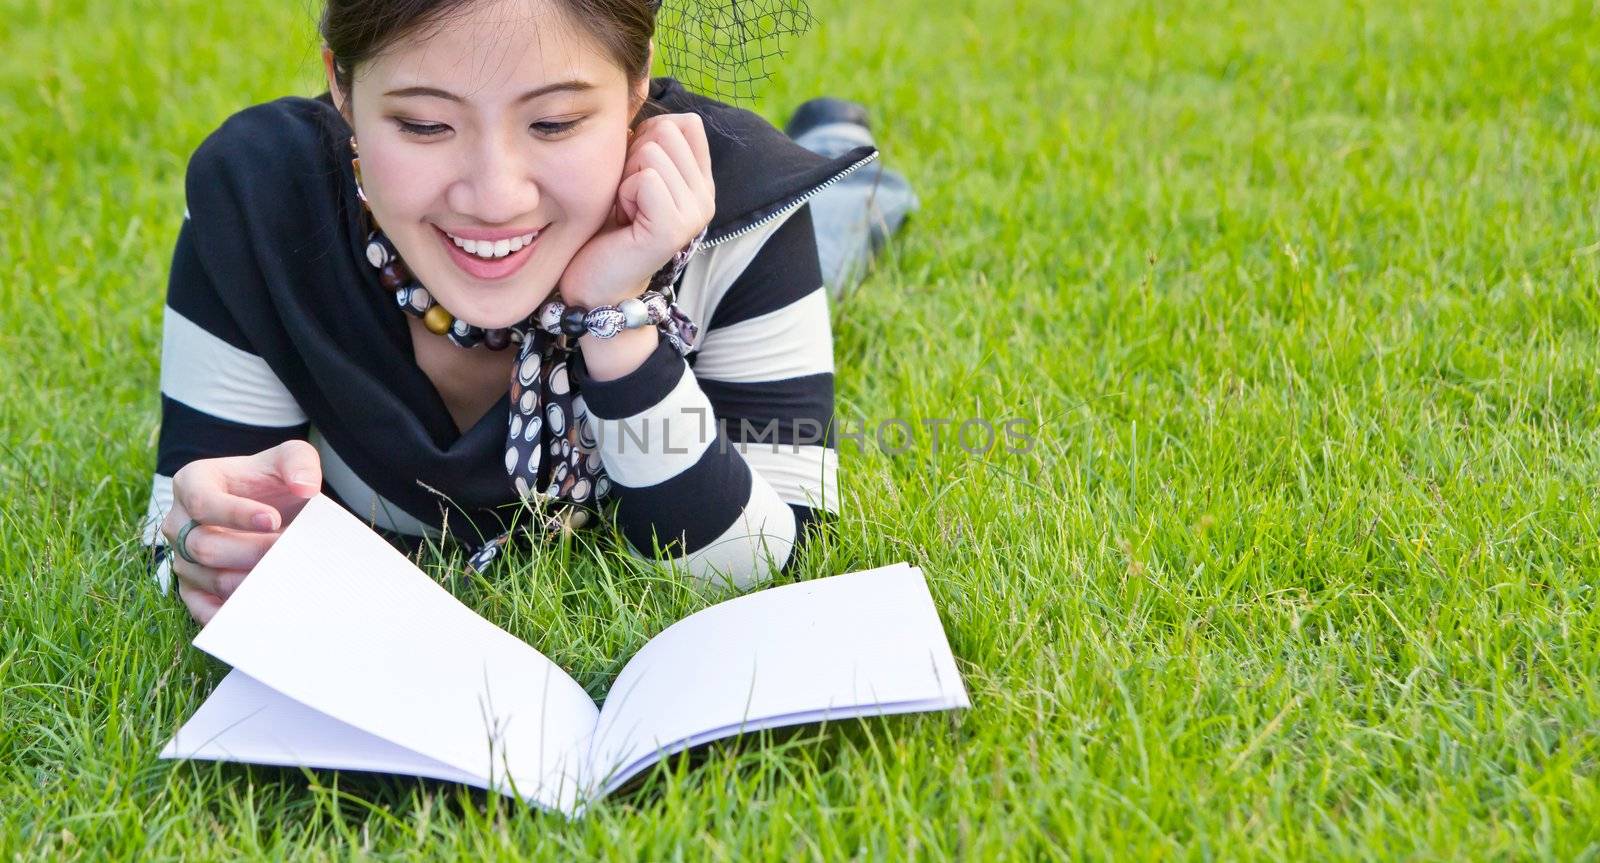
226,548
643,134
216,581
677,146
292,469
200,487
654,197
622,210
691,128
202,605
635,161
299,465
646,214
173,522
628,197
683,198
694,132
656,131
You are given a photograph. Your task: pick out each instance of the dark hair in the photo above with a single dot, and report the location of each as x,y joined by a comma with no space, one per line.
358,30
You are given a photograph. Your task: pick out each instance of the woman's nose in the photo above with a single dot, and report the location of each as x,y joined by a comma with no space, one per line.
497,184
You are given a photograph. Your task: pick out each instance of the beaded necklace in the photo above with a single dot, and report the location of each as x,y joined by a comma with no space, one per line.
417,302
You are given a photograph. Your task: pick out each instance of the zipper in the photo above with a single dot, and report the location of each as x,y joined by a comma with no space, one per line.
792,206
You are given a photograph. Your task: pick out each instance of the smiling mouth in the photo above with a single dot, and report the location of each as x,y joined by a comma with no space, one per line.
489,250
490,260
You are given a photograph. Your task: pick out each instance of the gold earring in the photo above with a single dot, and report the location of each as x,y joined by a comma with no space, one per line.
355,167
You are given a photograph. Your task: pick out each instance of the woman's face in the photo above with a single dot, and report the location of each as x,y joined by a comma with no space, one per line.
491,150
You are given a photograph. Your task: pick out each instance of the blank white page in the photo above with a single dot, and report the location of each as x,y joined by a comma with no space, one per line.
335,618
860,644
249,722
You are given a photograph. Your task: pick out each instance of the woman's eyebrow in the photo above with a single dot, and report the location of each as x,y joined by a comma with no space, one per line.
561,86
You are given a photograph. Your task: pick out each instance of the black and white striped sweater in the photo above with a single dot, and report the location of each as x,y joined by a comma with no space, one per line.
275,329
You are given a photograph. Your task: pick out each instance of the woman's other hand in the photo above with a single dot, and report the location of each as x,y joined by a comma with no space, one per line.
242,504
665,199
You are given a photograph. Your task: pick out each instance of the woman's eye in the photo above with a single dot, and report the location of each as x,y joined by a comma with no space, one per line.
422,130
550,129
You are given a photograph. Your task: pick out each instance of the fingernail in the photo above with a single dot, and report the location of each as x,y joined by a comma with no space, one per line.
302,478
262,521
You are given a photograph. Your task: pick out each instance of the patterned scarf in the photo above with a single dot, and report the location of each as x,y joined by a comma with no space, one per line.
551,453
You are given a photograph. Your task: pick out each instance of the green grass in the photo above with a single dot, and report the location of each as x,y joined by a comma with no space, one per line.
1302,299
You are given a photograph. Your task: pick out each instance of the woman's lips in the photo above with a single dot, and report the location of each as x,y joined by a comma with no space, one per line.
484,268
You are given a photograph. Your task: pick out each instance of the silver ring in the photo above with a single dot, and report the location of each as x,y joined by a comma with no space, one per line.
181,544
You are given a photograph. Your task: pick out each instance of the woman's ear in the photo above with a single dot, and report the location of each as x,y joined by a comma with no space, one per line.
641,87
338,94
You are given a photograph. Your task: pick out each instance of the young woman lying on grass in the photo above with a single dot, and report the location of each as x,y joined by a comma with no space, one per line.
500,273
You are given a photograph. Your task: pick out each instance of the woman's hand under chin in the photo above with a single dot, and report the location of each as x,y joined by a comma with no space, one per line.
665,199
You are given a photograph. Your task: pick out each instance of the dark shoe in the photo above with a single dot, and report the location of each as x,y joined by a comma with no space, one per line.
822,110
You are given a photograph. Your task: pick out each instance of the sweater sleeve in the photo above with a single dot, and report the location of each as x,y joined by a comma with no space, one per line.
218,398
726,465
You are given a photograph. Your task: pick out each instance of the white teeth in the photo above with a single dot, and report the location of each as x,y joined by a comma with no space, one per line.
491,249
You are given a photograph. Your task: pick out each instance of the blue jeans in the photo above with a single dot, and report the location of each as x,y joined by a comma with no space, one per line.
855,216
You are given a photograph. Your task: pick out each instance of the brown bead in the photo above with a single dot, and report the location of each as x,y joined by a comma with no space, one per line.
393,276
438,321
497,339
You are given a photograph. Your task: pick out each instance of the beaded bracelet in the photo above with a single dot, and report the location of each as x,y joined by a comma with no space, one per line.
650,309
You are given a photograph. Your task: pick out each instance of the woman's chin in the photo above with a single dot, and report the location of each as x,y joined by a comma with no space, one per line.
493,315
490,305
492,321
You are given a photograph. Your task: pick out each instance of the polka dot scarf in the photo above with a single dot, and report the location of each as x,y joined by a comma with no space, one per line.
550,450
551,453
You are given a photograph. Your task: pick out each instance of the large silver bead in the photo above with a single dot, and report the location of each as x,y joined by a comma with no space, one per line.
634,312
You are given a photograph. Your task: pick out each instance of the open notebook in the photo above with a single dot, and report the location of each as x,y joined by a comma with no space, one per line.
347,656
